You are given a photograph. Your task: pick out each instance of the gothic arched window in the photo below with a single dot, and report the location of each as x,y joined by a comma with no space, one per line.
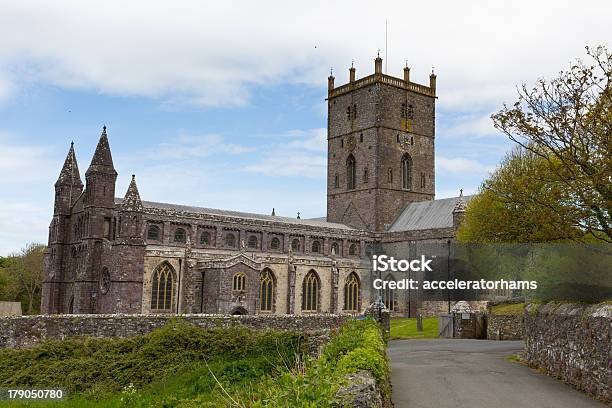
389,295
295,245
310,292
153,233
230,240
351,293
275,243
316,247
239,282
205,238
252,242
266,291
406,172
180,235
350,172
162,288
353,249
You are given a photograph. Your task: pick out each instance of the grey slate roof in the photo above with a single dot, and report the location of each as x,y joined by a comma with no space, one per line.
314,222
426,215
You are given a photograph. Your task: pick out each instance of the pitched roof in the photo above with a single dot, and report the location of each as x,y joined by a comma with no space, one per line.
427,215
102,160
132,201
314,222
69,175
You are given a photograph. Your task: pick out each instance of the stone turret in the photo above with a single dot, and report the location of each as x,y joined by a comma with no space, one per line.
459,210
101,176
68,186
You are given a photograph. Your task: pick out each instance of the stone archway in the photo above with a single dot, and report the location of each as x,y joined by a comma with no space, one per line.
239,311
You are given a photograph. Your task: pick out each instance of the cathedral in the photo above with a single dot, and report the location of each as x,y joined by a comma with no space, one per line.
109,254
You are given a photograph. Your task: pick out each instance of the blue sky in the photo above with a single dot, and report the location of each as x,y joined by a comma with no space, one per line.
223,105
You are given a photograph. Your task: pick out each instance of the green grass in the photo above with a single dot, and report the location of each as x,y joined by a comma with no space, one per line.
406,328
183,366
508,309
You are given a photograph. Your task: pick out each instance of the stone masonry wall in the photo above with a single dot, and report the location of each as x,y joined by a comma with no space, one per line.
572,342
504,326
27,331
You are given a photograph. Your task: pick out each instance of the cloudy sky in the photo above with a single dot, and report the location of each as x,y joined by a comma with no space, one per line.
222,104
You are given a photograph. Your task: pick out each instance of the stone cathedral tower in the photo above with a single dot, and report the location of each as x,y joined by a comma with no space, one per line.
380,141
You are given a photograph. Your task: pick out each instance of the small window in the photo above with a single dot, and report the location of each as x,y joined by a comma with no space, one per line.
239,282
252,242
390,176
353,249
180,235
230,240
310,292
205,238
153,233
361,138
316,247
350,173
107,228
335,249
336,181
275,243
295,245
341,142
366,176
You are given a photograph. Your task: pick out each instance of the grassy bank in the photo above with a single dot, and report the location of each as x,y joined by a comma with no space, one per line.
406,328
183,366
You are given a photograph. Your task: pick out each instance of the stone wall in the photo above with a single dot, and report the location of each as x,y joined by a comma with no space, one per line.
504,326
27,331
572,342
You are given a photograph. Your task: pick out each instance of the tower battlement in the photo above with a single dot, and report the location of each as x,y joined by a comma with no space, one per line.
379,77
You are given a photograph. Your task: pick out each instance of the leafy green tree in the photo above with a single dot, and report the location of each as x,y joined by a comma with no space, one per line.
21,277
567,123
518,203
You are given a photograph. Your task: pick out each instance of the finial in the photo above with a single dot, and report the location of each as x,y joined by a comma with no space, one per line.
331,71
298,216
133,177
104,128
460,192
378,54
72,144
406,63
432,70
273,212
353,63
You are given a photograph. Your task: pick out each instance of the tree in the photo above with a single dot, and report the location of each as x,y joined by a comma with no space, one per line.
518,204
9,284
567,122
25,271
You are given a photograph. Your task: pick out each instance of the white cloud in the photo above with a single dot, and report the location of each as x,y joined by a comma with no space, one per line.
209,54
22,223
460,164
304,155
19,164
195,146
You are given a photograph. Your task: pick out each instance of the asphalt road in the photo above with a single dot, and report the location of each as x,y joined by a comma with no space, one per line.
473,374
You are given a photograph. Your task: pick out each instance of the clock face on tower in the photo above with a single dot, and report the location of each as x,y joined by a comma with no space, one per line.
351,143
405,141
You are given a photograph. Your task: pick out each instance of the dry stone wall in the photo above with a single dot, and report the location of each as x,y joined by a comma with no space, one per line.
572,342
27,331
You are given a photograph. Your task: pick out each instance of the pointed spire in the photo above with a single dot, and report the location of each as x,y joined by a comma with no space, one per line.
298,215
273,212
102,160
460,205
69,175
131,201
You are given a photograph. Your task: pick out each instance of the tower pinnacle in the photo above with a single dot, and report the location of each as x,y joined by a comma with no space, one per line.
102,160
131,201
69,175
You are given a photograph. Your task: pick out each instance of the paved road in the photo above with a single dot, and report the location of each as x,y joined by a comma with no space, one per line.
473,374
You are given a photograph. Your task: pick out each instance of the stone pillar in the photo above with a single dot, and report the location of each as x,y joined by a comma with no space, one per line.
333,304
290,285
